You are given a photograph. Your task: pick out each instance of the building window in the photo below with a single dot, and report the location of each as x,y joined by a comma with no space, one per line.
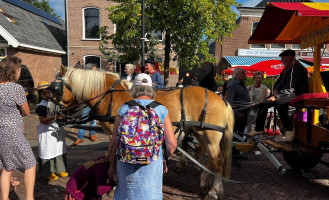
93,59
2,53
91,23
157,35
278,46
295,46
254,26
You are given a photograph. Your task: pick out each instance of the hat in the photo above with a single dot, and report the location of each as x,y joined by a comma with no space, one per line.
142,80
149,61
288,53
43,85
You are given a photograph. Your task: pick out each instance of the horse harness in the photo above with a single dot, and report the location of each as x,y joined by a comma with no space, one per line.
57,87
201,123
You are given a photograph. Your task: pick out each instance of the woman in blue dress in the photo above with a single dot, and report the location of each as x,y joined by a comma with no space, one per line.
141,181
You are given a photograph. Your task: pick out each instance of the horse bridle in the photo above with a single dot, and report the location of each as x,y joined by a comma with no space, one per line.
57,88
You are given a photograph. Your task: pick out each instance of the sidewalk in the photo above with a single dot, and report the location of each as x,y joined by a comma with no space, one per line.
261,179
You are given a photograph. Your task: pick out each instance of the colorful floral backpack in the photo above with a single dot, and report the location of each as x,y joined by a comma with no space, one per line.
140,134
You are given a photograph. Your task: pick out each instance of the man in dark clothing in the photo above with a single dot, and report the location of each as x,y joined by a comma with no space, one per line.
237,93
291,82
194,81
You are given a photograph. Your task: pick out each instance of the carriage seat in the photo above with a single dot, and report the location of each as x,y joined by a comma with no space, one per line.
301,98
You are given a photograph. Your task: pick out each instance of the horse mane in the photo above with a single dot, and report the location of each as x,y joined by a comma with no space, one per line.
85,82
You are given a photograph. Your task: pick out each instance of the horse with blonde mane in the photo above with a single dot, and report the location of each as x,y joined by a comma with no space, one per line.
85,85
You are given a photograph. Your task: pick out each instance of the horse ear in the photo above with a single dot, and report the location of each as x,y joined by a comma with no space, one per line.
62,70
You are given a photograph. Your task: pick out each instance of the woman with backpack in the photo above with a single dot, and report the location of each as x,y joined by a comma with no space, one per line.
135,151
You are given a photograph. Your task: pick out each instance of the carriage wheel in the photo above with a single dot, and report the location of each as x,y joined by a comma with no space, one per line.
302,160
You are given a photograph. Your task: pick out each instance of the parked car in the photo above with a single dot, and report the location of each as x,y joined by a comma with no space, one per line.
26,80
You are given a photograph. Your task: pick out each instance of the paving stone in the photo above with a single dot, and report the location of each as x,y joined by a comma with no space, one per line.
261,179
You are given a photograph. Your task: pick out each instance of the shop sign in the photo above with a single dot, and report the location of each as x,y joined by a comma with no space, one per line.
318,34
259,52
310,54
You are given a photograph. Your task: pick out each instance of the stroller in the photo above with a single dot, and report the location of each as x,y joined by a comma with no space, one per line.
90,181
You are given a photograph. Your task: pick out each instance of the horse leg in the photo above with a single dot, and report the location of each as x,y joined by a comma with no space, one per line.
180,140
206,180
200,149
216,161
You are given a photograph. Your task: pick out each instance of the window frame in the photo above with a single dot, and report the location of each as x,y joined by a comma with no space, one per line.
84,24
152,33
5,50
100,60
252,31
285,47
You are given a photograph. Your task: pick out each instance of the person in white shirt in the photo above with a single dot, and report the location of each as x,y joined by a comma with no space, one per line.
129,72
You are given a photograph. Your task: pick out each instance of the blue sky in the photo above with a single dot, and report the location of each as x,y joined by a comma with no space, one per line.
58,5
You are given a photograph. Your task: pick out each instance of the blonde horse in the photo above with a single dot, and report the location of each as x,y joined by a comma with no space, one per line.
85,85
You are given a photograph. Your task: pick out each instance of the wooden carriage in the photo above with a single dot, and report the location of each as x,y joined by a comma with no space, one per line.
306,24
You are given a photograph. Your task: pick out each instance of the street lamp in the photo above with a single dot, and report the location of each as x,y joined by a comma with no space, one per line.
143,35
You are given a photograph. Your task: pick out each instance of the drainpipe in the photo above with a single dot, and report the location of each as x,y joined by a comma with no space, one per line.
67,35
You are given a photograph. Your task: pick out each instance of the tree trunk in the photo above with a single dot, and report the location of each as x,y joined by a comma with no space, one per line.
167,60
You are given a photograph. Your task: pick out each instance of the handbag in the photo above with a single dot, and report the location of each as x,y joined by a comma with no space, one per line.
90,180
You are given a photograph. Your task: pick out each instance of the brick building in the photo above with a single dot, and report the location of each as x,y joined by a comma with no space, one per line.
36,37
236,51
83,17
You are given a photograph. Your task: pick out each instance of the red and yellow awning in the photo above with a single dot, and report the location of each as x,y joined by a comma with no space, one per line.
285,23
296,23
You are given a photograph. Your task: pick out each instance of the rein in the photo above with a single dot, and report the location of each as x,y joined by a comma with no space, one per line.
91,116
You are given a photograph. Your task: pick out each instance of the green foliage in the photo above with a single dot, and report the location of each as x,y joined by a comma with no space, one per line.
184,22
43,5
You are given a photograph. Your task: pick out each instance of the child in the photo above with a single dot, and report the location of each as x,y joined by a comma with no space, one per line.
52,147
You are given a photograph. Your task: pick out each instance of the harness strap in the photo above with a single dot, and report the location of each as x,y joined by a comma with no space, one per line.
204,111
183,115
201,123
102,98
109,110
198,124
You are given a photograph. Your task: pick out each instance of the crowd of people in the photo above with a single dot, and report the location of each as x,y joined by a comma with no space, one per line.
15,151
251,103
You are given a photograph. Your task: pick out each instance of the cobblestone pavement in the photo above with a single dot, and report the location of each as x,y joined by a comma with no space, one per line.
261,179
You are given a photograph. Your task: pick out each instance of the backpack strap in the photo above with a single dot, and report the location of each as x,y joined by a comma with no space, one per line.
132,103
153,104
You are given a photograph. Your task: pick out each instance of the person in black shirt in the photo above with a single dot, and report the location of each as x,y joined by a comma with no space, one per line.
291,82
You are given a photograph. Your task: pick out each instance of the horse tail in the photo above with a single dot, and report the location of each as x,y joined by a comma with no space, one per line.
226,143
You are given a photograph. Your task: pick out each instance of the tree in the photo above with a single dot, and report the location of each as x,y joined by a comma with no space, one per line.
185,24
42,5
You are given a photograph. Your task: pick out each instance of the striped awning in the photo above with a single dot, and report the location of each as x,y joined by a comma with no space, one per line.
247,61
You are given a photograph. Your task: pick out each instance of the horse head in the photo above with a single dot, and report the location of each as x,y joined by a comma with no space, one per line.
88,87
